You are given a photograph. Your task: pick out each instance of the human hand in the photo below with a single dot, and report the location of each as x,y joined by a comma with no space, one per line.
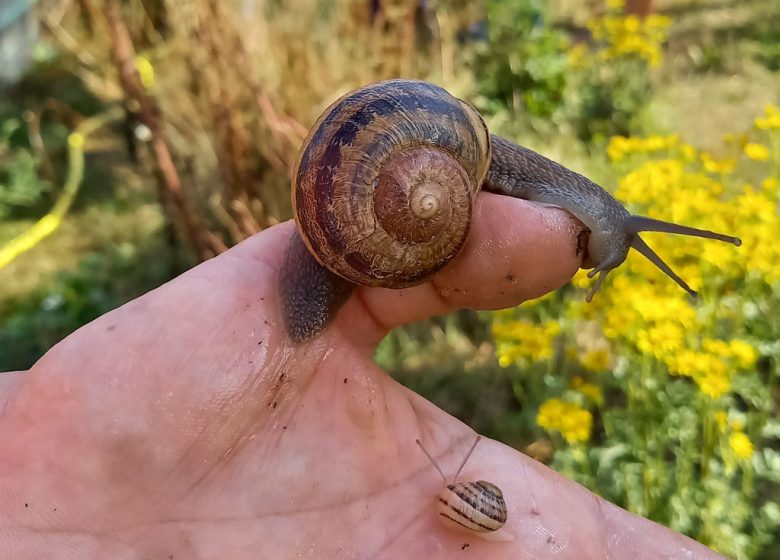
185,425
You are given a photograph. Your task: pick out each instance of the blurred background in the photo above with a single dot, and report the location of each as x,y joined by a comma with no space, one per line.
140,137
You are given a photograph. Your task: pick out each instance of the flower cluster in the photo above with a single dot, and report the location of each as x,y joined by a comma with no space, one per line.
673,182
770,120
679,186
621,146
590,391
667,376
524,340
630,36
756,152
573,422
738,445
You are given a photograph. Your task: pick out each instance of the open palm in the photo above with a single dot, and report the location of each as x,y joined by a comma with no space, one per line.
185,425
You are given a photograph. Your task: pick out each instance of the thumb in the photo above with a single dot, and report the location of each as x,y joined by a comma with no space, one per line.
516,251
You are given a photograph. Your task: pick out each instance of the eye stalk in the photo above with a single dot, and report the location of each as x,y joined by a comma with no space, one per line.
610,249
635,224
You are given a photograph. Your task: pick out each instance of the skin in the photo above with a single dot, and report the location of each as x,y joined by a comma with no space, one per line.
185,425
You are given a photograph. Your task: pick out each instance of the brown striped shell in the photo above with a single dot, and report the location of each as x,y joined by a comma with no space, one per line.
475,507
472,506
385,184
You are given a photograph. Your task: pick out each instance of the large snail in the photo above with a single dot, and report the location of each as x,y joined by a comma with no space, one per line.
383,192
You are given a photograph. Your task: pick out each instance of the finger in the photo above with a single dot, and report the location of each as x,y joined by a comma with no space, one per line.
516,251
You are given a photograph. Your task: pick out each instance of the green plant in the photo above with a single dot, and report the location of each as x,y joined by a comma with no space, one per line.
102,281
20,185
522,65
610,75
663,406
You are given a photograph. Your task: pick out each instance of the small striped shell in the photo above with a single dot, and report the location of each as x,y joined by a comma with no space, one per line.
472,506
385,183
477,508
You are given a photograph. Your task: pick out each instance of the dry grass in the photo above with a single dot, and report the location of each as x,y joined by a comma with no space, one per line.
239,83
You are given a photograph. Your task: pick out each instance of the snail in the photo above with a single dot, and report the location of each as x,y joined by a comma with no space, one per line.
384,187
473,507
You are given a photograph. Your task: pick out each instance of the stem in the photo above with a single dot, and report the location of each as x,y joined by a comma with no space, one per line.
647,476
149,113
707,436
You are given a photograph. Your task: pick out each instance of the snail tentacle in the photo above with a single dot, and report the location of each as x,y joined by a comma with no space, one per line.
520,172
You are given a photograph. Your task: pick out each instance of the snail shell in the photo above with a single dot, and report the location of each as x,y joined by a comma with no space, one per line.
472,507
385,183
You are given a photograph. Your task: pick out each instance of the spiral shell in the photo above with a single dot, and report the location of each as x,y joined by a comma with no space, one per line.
476,508
472,506
385,183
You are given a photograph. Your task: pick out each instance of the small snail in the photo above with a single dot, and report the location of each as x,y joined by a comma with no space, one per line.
474,507
383,192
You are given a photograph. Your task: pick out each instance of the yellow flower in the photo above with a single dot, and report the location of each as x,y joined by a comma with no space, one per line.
718,347
722,420
688,152
661,340
617,148
770,184
757,152
76,140
521,339
756,206
709,371
549,413
631,25
737,424
589,390
714,384
596,360
724,166
571,421
771,119
741,445
743,352
629,37
739,140
145,71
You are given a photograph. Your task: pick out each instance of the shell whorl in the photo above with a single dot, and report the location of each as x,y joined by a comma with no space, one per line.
384,186
472,506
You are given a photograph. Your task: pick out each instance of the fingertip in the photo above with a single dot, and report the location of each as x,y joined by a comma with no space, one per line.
516,251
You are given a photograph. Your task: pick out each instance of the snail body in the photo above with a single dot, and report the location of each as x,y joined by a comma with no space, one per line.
476,507
384,188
